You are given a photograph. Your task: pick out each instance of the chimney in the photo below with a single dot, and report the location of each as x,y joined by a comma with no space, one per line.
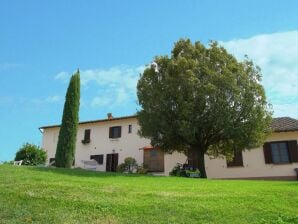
110,116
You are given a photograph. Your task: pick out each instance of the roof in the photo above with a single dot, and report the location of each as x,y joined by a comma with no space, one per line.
94,121
279,124
283,124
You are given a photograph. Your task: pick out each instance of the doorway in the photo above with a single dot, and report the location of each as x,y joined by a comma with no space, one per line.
154,160
112,162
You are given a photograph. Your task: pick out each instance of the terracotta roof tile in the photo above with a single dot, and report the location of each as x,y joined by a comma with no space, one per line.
93,121
282,124
279,124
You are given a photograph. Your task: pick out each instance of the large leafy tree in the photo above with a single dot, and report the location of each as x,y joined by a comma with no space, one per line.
200,101
68,131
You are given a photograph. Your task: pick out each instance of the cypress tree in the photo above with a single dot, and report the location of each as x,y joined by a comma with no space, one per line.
68,131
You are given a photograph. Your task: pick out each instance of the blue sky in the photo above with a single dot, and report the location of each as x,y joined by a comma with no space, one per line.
43,42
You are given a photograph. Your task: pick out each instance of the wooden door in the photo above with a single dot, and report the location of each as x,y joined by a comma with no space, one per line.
112,162
154,160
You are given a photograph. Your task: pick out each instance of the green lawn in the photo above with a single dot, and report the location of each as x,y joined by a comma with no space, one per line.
43,195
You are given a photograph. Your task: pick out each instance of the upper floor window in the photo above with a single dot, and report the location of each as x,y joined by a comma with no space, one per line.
87,135
237,160
115,132
130,128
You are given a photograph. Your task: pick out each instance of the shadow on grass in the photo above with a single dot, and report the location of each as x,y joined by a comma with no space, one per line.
86,173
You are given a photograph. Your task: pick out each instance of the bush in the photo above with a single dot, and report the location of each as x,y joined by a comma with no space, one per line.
121,168
129,165
142,170
31,155
184,171
7,162
176,170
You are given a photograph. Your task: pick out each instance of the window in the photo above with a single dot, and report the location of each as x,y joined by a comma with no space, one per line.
97,158
237,160
129,128
115,132
280,152
87,134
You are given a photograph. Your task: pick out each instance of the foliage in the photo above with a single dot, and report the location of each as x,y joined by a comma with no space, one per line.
201,100
68,131
181,171
31,155
80,196
121,168
129,165
178,171
7,162
142,169
175,170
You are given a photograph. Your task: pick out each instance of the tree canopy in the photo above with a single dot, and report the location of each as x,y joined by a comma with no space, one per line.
201,100
68,131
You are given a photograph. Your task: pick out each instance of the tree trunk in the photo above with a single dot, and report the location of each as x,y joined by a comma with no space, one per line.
201,164
196,159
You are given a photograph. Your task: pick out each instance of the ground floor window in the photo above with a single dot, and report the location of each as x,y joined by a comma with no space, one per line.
280,152
237,160
97,158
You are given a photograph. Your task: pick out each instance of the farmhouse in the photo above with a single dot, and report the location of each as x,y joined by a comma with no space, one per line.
109,141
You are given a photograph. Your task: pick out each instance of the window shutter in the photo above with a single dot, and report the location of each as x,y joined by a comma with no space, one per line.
111,132
119,132
237,160
97,158
267,152
87,134
293,151
115,132
100,159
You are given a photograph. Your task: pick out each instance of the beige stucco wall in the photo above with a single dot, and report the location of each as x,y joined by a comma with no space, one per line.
253,163
128,145
171,160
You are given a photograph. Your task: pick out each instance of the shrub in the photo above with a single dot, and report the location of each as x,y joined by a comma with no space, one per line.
31,155
142,170
184,171
7,162
176,170
121,168
129,165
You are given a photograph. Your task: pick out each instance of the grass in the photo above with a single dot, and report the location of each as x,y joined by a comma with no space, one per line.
44,195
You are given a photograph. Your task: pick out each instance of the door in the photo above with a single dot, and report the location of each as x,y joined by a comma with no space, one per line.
112,162
154,160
